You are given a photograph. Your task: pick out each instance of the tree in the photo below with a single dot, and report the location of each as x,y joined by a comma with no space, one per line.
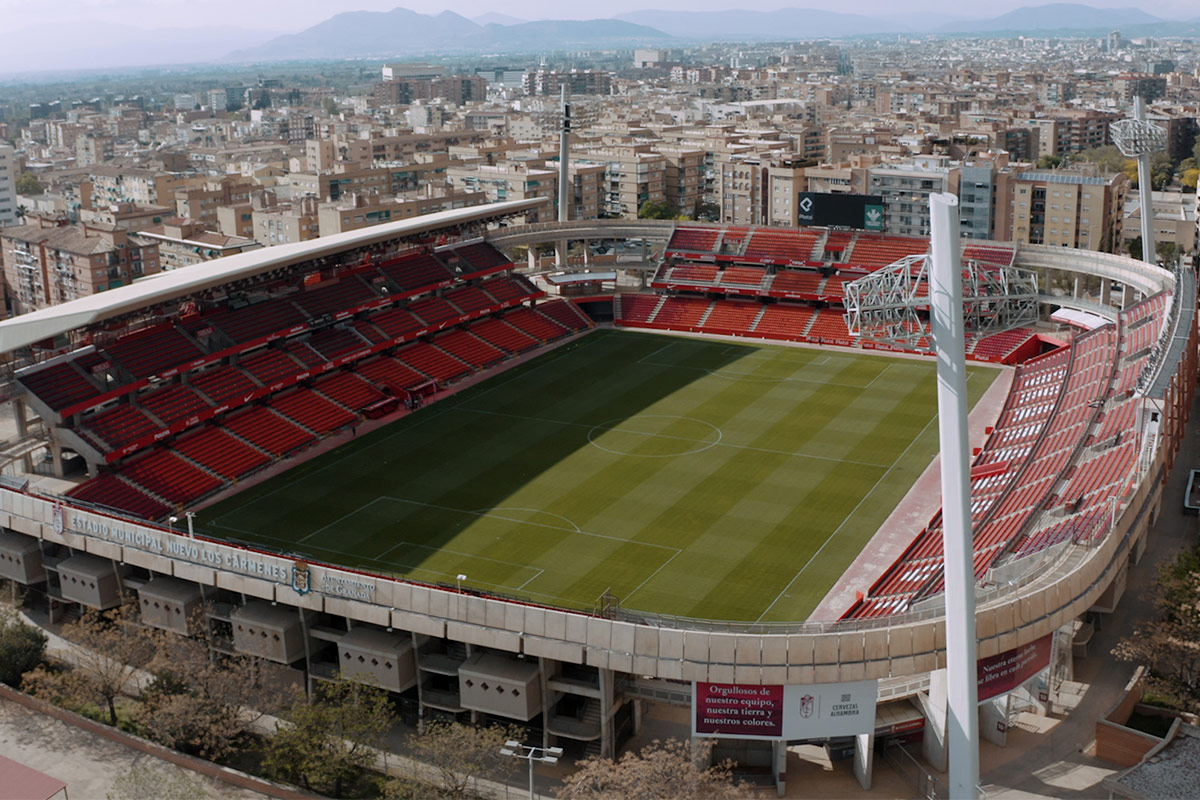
1167,252
652,209
1189,178
458,754
1134,247
28,184
1170,645
110,647
325,744
1049,162
203,705
1108,158
707,212
22,647
660,770
330,106
21,212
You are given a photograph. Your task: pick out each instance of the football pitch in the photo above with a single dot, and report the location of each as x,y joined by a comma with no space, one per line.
696,478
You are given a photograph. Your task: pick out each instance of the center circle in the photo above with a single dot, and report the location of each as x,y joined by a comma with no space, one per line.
654,436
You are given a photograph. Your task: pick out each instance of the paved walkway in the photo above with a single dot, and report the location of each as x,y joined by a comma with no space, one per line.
89,764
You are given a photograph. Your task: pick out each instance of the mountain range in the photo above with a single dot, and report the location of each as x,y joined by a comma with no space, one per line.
402,33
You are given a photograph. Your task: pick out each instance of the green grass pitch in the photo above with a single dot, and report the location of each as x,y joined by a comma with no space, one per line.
697,478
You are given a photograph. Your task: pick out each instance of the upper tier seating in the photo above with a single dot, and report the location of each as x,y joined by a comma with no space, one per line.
60,385
119,425
414,271
261,319
147,353
332,297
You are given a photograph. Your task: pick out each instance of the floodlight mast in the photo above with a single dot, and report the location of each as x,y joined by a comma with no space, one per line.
1138,138
946,317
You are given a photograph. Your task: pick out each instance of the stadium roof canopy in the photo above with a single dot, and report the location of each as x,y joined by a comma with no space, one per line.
45,323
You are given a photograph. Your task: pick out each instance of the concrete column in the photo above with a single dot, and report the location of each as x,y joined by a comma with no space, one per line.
1075,287
779,751
933,744
533,265
1105,291
608,732
864,759
544,666
993,720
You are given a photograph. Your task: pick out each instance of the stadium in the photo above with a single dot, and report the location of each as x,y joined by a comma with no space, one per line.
549,498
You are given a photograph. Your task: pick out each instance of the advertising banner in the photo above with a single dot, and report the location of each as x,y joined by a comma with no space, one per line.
863,211
776,711
1006,671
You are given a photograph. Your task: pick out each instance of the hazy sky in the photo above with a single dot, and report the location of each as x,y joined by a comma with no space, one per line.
292,15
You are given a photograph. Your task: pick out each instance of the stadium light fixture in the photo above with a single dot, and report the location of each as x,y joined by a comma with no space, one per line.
1137,138
191,518
542,755
462,576
171,520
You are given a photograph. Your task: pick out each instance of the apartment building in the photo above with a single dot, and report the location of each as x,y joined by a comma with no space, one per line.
509,180
634,175
1174,220
8,185
1064,208
906,187
111,185
346,179
46,264
284,223
184,242
455,89
587,182
683,178
761,189
201,203
577,81
362,211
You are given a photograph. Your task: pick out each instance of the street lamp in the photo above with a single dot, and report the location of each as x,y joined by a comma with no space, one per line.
543,755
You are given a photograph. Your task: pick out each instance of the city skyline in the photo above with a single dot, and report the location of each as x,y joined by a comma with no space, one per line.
259,15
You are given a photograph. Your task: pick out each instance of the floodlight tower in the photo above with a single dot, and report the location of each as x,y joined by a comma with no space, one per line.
564,157
1138,138
884,305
